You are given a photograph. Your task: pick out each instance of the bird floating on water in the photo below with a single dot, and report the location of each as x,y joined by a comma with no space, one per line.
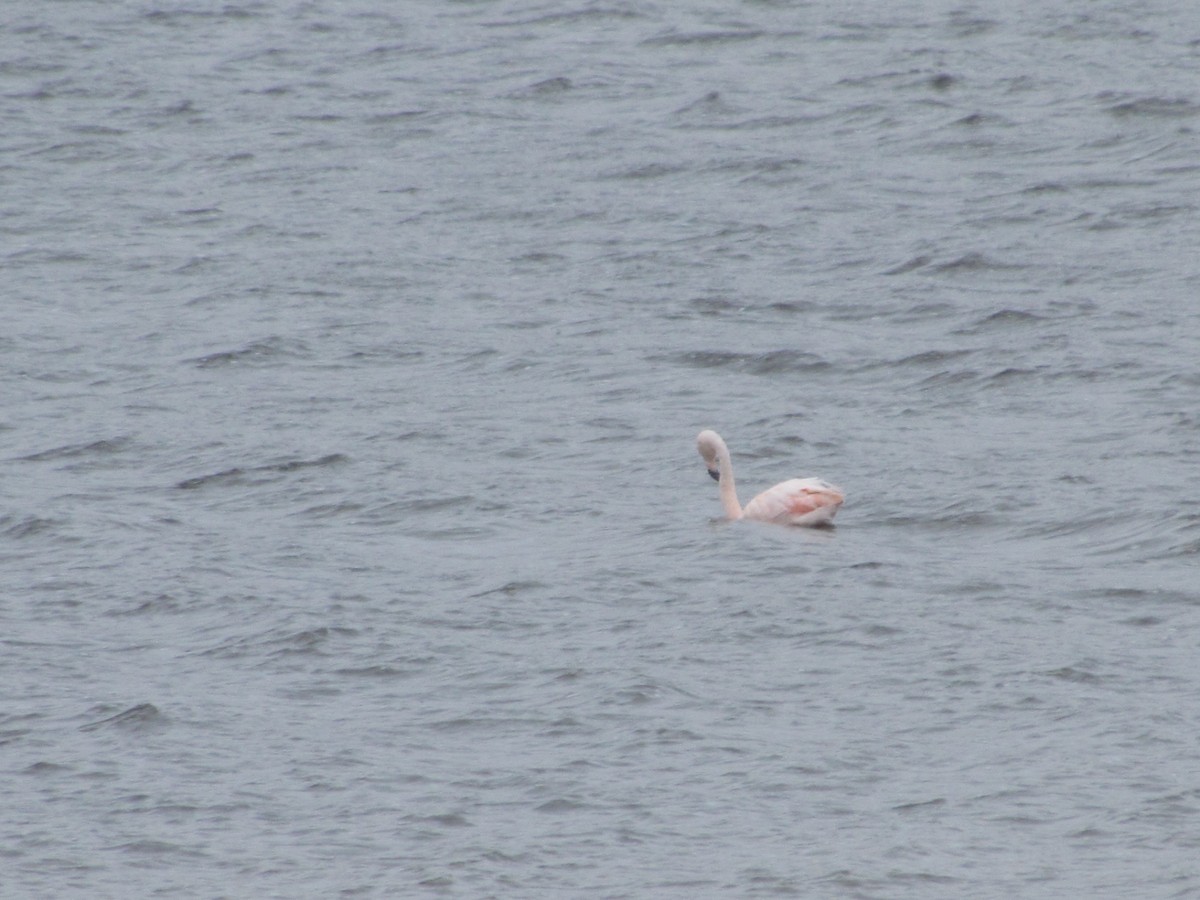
797,501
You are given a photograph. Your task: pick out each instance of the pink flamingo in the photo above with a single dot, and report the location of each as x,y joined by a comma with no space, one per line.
797,501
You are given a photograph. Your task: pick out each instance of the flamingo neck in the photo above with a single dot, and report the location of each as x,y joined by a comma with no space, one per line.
729,499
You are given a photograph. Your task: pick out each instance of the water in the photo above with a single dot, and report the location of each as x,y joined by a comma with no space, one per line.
354,539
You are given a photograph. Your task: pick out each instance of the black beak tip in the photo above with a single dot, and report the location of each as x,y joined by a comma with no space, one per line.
715,473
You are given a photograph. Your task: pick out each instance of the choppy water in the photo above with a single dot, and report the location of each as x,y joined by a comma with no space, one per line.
354,540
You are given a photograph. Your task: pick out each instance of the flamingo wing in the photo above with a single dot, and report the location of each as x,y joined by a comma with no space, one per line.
798,501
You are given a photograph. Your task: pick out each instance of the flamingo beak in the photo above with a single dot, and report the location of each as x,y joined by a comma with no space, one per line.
715,473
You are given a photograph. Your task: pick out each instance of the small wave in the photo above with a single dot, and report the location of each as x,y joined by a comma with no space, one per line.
1183,541
454,533
714,306
1077,524
309,641
770,363
920,805
157,605
1007,376
71,451
543,88
155,848
1045,187
945,379
910,265
791,306
973,262
428,504
1005,317
26,526
238,474
976,119
375,671
1155,107
1138,596
930,358
570,16
710,109
255,353
693,38
400,512
1077,674
968,262
511,588
332,510
45,768
648,170
136,717
767,165
960,514
450,820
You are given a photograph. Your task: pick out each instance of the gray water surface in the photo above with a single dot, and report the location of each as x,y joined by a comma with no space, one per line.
353,539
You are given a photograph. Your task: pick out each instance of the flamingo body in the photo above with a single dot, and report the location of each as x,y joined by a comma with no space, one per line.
797,501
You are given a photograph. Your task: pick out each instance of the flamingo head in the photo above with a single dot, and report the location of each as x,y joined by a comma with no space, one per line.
711,449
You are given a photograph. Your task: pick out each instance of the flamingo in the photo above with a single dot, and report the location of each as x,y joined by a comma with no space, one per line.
797,501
